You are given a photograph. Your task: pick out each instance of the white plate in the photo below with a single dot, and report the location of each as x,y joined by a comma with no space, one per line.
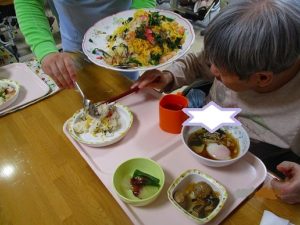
32,87
96,36
11,100
125,121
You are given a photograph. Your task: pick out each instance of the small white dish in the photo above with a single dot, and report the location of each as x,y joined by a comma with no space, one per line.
125,120
13,98
194,176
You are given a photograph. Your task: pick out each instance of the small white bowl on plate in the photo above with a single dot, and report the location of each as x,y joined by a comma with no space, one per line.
238,132
195,176
125,120
13,98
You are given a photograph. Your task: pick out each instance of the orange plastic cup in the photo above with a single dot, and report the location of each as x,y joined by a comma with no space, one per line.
171,115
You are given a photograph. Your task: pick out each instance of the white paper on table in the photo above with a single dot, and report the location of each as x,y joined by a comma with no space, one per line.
270,218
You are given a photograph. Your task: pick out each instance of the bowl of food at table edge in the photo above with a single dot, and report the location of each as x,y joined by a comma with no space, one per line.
197,195
111,126
220,148
138,181
9,91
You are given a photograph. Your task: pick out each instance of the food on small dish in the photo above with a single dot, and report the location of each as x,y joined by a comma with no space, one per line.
138,39
219,151
220,145
221,148
141,179
9,91
104,125
199,199
111,126
147,38
148,185
197,195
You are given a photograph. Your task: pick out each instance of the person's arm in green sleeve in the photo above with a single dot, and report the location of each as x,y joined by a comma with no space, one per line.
138,4
35,27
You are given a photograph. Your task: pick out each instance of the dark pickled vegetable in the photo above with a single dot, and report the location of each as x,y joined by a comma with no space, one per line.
141,179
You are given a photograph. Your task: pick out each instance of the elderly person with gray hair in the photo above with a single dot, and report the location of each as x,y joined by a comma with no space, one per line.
252,54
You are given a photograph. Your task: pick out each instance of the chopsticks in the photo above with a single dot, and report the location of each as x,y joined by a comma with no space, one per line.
121,95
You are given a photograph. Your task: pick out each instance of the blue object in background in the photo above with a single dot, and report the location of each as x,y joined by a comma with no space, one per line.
196,98
197,92
131,75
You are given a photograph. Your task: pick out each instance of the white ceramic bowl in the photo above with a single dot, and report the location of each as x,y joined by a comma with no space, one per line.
88,139
194,176
237,131
11,100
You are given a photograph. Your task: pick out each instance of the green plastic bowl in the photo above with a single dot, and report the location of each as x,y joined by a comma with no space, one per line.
123,174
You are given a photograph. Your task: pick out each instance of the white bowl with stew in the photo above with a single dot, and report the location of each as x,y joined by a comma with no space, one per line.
221,148
197,195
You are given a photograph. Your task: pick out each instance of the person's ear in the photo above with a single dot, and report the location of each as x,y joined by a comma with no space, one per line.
263,79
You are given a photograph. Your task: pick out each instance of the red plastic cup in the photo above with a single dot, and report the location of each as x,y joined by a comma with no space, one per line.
171,115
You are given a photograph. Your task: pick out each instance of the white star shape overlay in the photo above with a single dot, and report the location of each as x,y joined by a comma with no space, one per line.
211,116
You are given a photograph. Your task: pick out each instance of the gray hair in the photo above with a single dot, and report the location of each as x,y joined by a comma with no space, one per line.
251,36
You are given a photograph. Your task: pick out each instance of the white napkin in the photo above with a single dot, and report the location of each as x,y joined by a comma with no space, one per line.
269,218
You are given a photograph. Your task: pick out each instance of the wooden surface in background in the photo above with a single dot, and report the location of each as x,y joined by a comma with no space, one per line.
45,181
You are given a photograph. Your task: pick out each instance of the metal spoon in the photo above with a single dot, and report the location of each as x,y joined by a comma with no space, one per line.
88,106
